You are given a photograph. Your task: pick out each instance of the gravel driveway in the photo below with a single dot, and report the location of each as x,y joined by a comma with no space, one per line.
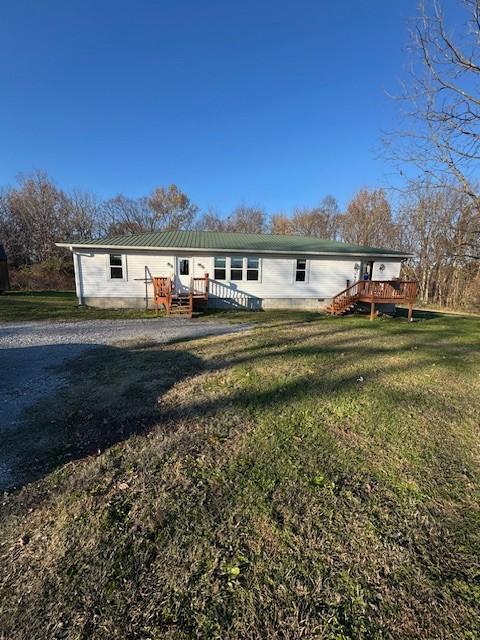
32,353
33,356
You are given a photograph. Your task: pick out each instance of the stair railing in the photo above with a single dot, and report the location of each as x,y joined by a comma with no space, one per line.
348,295
200,286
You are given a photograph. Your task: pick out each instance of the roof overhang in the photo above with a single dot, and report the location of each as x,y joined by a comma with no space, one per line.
118,247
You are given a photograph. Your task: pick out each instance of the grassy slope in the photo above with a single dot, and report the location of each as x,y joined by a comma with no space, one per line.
257,489
17,306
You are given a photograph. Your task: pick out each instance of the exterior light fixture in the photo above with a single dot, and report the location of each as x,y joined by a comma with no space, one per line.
382,267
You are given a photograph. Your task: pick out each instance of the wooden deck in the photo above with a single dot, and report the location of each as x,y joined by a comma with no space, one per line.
375,292
372,292
180,303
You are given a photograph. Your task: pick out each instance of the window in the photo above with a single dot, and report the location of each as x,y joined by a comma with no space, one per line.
184,267
301,271
220,271
236,268
252,268
116,266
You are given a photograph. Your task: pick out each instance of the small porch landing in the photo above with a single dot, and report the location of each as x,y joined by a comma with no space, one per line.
180,303
375,292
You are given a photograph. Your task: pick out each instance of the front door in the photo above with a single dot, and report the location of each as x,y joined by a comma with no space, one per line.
365,271
183,275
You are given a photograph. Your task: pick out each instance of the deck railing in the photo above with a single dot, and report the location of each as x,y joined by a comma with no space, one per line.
389,289
199,286
374,291
164,293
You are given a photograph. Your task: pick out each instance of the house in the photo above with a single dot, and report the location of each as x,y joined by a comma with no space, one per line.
249,271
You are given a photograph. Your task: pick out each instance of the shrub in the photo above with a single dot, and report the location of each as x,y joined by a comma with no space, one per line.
54,273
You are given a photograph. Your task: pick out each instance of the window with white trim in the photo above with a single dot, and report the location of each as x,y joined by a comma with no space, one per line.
236,268
116,266
220,268
184,267
253,268
301,270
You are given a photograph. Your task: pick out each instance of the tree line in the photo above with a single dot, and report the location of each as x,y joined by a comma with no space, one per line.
434,211
436,225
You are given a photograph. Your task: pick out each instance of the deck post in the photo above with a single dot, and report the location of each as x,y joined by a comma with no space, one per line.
410,311
372,310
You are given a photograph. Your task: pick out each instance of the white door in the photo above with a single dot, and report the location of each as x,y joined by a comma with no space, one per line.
183,275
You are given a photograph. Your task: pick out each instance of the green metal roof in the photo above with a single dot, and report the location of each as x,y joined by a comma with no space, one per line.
220,241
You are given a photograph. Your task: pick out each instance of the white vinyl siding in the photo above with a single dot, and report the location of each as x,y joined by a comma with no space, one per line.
326,276
94,269
391,270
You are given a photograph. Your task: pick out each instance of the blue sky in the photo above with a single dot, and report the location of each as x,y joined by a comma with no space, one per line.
268,102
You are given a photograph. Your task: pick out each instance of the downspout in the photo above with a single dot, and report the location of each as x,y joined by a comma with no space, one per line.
77,271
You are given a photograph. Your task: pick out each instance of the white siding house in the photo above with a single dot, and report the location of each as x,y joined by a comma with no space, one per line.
245,270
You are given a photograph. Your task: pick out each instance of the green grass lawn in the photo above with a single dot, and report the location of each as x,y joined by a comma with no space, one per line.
314,477
18,306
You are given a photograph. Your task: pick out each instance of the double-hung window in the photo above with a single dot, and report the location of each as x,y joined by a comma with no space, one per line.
220,270
236,268
301,271
253,268
116,266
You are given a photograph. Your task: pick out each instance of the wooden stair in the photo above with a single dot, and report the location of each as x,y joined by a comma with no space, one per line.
346,300
181,305
374,292
177,304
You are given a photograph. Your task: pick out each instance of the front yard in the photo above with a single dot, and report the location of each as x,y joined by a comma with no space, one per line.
313,477
20,306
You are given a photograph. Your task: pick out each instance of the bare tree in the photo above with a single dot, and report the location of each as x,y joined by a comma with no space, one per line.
438,148
121,215
280,224
434,224
211,221
166,209
247,220
33,217
321,221
82,216
36,213
440,100
368,220
172,209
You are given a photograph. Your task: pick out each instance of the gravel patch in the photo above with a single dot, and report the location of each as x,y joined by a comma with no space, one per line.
31,354
24,334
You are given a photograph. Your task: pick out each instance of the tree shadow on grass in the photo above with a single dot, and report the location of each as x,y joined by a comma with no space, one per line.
106,395
114,393
171,530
